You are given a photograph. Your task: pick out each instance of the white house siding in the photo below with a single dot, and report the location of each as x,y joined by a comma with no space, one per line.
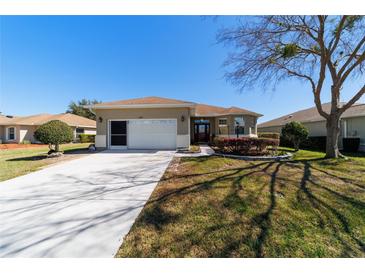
316,128
90,131
270,129
26,133
86,131
356,127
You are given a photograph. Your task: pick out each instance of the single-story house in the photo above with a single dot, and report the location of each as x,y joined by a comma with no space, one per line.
352,122
162,123
17,129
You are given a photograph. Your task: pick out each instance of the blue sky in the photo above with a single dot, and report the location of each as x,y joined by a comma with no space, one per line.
46,62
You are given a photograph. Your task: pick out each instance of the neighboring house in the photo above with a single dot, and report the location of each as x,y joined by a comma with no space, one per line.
162,123
17,129
352,122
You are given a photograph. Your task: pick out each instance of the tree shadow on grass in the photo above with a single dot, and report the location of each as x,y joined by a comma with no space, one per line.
234,170
261,225
158,217
325,211
232,201
264,220
227,174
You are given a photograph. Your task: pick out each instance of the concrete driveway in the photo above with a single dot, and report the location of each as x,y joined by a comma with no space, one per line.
80,208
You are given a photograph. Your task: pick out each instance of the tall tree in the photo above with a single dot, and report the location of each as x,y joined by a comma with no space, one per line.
270,49
77,108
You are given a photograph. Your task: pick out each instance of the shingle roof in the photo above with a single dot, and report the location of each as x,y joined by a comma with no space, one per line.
312,115
39,119
144,101
208,110
4,119
200,109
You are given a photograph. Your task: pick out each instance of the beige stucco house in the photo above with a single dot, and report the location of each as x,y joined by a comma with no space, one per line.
21,128
352,122
162,123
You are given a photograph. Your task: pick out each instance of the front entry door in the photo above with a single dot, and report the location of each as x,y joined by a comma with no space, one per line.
118,134
201,133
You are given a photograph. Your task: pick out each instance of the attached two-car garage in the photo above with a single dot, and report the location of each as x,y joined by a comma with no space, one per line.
143,134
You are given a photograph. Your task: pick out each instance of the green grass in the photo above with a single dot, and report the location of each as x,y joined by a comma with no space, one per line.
220,207
17,162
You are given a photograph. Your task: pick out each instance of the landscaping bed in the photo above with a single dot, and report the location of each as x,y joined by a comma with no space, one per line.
16,146
221,207
246,146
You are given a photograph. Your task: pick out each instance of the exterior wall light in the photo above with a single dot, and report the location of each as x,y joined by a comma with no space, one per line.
182,118
100,119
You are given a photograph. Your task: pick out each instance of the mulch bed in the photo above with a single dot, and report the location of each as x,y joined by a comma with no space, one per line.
16,146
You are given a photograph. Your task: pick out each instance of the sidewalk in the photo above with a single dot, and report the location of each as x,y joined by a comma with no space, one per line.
205,150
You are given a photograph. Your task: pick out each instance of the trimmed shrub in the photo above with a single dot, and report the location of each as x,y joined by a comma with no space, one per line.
87,138
244,145
295,132
54,133
311,143
269,135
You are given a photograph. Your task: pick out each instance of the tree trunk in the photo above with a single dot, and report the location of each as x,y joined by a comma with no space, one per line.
57,147
296,145
333,132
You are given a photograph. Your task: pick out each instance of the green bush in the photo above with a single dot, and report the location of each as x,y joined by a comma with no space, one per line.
54,133
87,138
269,135
311,143
295,132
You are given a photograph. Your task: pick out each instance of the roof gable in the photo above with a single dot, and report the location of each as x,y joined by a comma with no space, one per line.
154,101
39,119
208,110
151,100
312,115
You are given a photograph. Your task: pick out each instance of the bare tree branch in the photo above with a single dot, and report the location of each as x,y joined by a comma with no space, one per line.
270,49
352,56
353,100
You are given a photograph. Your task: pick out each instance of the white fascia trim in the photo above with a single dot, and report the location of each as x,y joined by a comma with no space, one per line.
81,126
353,116
141,106
227,114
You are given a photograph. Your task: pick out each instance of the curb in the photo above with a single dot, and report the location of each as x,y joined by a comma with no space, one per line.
257,158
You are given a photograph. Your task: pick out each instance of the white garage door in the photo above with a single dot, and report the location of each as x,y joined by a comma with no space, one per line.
152,134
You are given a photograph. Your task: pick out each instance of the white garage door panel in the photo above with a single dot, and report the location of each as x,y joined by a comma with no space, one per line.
152,134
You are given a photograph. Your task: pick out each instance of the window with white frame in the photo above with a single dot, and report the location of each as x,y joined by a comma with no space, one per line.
239,124
11,133
222,126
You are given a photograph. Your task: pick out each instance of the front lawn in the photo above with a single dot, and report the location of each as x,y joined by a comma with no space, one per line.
16,162
220,207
